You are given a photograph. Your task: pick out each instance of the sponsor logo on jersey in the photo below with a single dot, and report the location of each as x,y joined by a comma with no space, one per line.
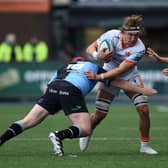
63,93
53,91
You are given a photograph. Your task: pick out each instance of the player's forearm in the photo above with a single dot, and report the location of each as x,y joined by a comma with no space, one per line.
116,72
125,85
164,59
110,74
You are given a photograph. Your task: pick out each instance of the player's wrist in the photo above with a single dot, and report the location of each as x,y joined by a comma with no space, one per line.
102,76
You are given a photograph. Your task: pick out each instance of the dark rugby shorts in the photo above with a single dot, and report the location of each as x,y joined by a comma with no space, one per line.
62,95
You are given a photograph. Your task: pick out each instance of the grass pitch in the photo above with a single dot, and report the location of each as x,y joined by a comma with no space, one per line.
114,144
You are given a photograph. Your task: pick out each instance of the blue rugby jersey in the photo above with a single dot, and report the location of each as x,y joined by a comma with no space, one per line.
75,74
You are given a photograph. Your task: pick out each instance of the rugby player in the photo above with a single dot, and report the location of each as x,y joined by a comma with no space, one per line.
66,91
122,61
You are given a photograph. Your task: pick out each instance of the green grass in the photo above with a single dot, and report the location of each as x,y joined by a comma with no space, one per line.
114,144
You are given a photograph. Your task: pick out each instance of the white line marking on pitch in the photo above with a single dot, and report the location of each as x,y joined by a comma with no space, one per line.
93,138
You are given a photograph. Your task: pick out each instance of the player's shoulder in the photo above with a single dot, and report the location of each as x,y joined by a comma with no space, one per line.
110,34
140,45
113,32
89,63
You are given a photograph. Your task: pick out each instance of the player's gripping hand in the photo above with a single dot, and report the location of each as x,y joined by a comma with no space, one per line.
91,75
151,53
105,56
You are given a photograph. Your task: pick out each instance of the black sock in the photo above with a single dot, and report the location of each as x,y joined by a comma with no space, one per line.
11,132
71,132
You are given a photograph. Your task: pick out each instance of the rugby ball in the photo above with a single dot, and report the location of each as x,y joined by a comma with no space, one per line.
105,46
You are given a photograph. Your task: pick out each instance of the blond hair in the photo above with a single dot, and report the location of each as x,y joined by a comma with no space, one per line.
133,22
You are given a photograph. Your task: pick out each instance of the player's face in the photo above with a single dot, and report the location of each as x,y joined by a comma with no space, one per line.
130,38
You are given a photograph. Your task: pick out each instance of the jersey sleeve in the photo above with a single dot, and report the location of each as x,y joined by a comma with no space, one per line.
109,35
135,57
137,52
104,36
54,76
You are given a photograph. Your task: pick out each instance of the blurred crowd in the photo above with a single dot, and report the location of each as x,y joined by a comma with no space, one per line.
33,51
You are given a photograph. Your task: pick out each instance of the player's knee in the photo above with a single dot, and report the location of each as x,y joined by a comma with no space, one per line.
103,105
143,110
28,123
141,103
86,131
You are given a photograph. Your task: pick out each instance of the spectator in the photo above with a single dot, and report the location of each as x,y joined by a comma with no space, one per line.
35,51
9,50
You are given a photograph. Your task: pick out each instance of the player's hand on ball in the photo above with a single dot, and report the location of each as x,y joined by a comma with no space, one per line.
103,55
105,50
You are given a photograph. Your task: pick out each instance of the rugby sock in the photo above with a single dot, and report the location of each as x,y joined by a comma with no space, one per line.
144,141
71,132
15,129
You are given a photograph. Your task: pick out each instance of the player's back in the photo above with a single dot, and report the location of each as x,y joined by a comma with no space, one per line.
75,74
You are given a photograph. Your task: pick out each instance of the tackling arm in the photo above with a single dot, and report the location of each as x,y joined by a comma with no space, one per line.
114,73
125,85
